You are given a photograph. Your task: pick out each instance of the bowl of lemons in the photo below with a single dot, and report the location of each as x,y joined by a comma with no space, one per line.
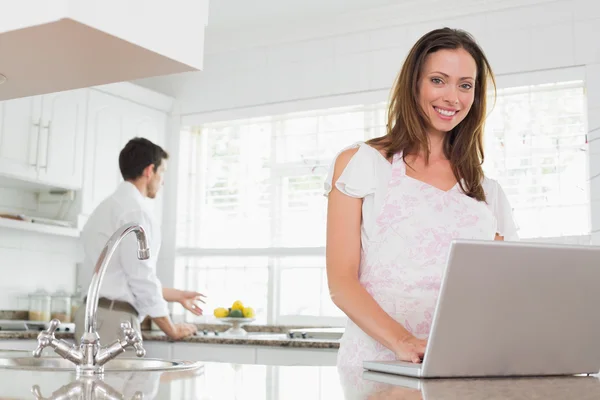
237,316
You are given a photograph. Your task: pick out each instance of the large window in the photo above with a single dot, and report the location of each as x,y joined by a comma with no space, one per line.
536,148
251,212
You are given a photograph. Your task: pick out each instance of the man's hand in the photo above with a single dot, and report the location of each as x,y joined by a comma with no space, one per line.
189,301
181,331
175,331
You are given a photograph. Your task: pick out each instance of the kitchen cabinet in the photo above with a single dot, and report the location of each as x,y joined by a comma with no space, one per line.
264,355
295,356
42,139
19,135
25,345
28,345
53,46
214,352
111,122
158,350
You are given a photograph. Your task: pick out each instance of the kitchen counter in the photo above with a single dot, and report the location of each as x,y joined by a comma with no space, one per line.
253,339
226,381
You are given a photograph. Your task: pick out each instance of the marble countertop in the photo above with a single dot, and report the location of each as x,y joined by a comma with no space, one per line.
226,381
252,339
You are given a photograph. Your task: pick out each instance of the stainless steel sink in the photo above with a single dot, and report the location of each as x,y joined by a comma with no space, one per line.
117,364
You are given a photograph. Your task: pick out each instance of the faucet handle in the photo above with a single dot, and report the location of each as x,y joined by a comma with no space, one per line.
133,338
45,338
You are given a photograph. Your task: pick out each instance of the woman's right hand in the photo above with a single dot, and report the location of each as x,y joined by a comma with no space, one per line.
410,349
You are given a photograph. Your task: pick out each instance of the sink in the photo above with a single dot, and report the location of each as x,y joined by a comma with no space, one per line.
117,364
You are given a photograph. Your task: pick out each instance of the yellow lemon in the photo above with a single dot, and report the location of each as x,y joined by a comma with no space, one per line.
237,305
221,312
248,312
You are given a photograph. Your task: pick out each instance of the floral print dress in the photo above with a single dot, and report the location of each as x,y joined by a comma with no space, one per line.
406,232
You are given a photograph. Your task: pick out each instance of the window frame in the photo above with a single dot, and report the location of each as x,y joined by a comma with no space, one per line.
370,100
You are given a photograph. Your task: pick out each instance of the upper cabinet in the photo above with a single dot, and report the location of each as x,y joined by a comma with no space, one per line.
111,122
42,139
49,47
63,124
20,126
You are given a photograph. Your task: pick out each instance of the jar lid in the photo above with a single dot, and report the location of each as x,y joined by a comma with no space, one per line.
39,293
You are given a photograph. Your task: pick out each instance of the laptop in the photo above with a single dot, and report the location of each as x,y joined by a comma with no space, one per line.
512,309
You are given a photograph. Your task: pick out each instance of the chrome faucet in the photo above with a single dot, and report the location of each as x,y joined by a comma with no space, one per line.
90,357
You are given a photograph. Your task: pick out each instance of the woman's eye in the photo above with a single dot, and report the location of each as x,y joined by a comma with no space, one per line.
466,86
437,81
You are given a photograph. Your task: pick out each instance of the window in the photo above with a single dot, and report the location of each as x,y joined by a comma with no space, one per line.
536,148
251,212
251,209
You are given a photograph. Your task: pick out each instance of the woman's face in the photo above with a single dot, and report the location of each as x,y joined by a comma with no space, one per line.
447,88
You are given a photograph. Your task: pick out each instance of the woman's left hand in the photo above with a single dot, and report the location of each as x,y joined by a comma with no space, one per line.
189,301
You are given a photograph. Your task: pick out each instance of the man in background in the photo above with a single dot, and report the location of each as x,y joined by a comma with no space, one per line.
130,289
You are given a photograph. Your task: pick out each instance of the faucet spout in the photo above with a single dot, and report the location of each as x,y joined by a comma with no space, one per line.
90,357
143,253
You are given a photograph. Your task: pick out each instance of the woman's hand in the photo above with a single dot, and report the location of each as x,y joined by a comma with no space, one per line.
410,349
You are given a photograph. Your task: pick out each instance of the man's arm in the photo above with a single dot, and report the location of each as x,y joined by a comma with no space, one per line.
144,284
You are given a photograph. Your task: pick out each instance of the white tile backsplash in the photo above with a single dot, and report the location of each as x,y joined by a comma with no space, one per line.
31,261
586,47
552,46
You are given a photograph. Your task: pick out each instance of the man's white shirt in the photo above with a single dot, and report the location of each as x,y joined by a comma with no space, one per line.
127,278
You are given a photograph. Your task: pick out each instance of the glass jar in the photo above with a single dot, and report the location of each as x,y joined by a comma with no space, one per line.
23,303
39,306
76,302
61,307
22,309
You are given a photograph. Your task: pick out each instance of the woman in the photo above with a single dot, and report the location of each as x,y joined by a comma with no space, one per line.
397,202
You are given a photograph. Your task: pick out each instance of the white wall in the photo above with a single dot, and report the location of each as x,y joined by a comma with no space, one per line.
31,261
269,74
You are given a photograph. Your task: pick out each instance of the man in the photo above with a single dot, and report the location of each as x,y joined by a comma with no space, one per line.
130,289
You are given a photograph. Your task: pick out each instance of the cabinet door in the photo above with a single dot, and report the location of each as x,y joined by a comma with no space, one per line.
62,138
295,356
112,122
19,137
214,353
155,349
103,139
148,123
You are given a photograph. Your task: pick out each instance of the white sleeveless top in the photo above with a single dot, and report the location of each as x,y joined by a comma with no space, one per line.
367,175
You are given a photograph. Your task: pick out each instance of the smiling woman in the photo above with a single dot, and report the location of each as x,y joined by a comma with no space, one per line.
396,202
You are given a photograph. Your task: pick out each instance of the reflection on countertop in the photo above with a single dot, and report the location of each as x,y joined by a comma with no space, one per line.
225,381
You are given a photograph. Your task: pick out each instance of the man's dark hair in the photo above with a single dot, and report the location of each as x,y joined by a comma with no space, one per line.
137,154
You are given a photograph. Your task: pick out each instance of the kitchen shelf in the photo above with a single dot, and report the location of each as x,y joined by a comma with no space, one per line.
7,181
38,227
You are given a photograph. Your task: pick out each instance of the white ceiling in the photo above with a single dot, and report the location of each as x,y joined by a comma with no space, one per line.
236,14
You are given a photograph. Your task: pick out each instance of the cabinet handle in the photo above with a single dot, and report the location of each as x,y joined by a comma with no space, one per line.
49,128
38,124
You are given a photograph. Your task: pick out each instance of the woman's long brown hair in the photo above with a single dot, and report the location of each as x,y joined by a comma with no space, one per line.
407,122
